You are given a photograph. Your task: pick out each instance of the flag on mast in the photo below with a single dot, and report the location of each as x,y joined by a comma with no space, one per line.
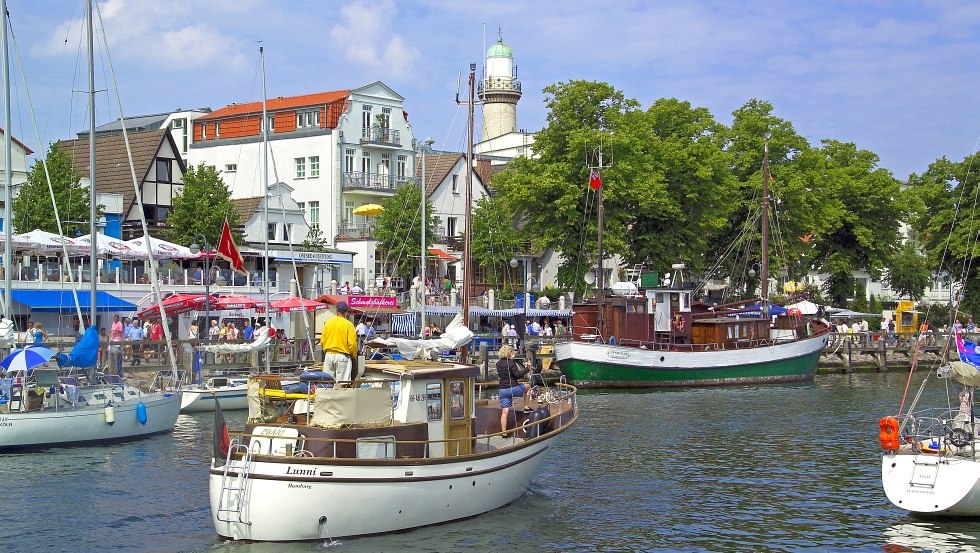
229,251
595,181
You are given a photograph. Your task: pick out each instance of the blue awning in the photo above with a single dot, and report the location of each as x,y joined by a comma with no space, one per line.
54,301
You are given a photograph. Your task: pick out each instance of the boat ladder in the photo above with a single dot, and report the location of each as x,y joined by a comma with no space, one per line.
231,498
925,471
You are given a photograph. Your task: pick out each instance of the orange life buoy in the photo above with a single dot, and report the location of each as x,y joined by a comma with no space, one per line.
679,323
888,433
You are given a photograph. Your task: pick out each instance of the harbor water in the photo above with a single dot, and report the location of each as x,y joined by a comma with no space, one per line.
768,468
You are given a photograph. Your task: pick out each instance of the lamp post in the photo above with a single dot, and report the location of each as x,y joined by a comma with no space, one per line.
206,279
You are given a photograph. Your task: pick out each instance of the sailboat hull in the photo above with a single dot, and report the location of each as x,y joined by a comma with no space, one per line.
604,366
199,400
69,426
930,484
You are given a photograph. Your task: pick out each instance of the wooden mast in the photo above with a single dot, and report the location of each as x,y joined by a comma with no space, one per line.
467,236
764,262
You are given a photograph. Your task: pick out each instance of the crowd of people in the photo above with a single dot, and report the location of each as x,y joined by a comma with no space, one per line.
860,330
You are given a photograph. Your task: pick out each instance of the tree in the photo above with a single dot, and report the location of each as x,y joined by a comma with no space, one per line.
908,272
32,208
495,240
398,230
201,207
315,241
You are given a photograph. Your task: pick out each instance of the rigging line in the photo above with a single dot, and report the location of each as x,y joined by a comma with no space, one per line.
154,266
299,291
47,175
972,237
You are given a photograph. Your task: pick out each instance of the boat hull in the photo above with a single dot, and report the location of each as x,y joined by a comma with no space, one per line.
71,426
929,484
604,366
202,400
311,501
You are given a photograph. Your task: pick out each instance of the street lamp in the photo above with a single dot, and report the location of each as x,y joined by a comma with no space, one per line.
206,279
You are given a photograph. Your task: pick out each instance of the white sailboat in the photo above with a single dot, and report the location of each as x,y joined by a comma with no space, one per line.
411,446
104,408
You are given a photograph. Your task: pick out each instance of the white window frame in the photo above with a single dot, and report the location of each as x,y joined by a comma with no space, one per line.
402,166
350,154
300,163
314,214
455,184
314,163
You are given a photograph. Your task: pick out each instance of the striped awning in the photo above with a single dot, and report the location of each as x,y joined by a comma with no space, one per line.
484,312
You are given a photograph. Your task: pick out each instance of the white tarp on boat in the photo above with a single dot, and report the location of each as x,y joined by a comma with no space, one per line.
263,337
961,372
455,336
334,407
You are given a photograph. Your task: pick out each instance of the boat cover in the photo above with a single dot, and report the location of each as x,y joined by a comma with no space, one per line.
85,353
455,336
334,407
961,372
261,341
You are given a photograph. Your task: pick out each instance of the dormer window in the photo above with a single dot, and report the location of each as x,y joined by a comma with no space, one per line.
308,119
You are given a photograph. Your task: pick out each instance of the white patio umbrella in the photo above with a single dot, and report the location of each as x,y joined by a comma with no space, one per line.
39,240
112,247
161,248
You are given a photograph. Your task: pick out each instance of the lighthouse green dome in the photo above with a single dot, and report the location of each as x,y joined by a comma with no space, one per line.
499,50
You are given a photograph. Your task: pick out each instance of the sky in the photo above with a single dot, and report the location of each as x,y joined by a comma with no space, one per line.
894,77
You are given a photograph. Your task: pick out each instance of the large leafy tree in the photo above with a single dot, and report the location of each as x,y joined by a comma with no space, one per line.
32,208
201,207
908,272
398,229
495,240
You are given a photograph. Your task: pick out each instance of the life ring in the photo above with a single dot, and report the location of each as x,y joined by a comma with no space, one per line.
888,433
679,324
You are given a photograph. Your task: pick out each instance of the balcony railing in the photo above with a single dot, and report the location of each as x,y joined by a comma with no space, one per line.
354,231
381,135
498,83
381,182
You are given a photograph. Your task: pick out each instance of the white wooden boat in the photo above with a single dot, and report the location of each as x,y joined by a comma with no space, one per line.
229,391
930,463
412,446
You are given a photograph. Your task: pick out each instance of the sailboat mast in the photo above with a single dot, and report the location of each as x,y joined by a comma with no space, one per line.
91,164
600,285
8,166
467,237
265,200
764,262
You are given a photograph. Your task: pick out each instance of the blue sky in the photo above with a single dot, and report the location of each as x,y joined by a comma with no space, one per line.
895,77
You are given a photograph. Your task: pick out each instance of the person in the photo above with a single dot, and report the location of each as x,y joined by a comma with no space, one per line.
215,331
339,342
344,288
559,328
356,290
135,335
370,332
970,327
361,329
426,331
436,332
534,328
156,335
103,347
39,334
957,327
249,332
891,331
883,328
192,333
509,372
547,331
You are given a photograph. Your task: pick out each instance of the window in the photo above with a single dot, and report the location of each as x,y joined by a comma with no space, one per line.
349,154
366,122
211,167
314,166
287,229
270,231
455,184
348,211
366,162
402,166
217,130
308,119
178,128
385,121
386,163
314,214
302,205
301,167
231,167
270,123
451,226
163,170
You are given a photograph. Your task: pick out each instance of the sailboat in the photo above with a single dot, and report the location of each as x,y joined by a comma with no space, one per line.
658,336
46,408
409,444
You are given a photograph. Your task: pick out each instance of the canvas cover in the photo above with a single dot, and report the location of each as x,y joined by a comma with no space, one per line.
334,407
257,409
961,372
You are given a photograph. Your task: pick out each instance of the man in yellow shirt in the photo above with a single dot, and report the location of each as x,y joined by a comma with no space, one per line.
339,341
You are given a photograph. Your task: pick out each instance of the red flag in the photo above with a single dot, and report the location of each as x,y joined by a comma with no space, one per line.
228,250
595,182
222,443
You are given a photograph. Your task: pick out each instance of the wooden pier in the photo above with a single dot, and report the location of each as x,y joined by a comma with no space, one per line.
884,352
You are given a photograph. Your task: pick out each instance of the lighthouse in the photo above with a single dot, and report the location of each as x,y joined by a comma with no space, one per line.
499,90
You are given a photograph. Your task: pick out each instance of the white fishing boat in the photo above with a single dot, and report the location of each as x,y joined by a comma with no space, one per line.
411,443
228,391
43,406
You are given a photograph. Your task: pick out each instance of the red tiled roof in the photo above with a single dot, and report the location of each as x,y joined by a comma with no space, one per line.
19,143
276,104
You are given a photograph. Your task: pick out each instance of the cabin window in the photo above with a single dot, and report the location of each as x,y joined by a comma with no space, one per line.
433,401
659,297
457,405
376,447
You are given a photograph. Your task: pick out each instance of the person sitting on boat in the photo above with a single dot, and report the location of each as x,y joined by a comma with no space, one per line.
339,341
509,372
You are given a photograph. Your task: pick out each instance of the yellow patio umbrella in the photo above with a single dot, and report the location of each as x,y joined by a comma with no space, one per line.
369,209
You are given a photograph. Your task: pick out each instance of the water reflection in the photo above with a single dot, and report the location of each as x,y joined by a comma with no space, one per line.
933,537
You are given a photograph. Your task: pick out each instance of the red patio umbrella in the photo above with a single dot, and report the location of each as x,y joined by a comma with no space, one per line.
294,304
234,301
174,305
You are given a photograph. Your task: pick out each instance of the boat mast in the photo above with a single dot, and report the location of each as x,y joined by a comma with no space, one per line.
764,262
467,238
265,202
8,167
600,319
93,253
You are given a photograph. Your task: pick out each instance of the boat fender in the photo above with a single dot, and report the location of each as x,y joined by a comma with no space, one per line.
141,413
110,414
536,424
888,433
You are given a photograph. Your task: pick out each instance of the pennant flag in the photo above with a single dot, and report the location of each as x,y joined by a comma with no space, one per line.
222,443
968,351
229,251
595,182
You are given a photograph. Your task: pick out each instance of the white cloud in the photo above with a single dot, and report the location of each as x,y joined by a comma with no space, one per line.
366,37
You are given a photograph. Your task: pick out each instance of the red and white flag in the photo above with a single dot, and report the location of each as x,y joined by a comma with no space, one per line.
595,182
229,251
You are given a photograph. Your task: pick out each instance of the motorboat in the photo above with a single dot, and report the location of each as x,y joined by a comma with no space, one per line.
229,391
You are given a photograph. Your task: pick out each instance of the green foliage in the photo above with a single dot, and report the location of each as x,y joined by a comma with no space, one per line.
908,273
495,239
874,306
860,303
551,292
32,208
398,230
201,207
315,241
839,286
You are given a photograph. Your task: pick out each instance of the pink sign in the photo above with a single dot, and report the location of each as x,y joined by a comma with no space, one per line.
368,302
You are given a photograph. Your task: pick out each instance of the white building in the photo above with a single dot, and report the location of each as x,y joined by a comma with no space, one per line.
18,162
